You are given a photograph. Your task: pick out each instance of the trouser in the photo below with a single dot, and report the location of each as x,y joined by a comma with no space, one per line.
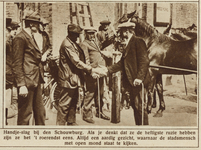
32,103
8,101
92,93
67,106
8,97
136,103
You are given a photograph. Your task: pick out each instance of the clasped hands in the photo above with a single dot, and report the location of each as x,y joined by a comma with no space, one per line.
98,72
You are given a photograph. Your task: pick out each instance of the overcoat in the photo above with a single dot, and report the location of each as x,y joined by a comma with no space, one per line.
27,67
134,62
92,53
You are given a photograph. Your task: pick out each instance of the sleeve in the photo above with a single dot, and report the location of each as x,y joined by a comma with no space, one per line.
142,59
74,57
86,53
18,59
116,67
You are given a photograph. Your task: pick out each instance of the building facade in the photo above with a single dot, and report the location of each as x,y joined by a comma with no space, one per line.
59,15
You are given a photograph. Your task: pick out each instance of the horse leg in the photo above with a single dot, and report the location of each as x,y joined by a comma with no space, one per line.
150,93
159,87
154,98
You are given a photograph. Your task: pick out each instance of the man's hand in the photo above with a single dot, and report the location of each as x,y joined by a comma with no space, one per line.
45,55
107,54
99,71
95,75
137,82
23,91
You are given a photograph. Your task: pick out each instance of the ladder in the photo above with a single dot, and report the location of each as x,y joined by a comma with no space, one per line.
78,12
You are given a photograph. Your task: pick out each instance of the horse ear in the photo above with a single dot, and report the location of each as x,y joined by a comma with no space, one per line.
131,14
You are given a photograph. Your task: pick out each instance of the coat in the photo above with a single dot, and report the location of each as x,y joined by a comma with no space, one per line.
27,67
71,65
9,60
134,62
92,54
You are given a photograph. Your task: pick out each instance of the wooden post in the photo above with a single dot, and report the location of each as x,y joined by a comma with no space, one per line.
115,113
116,85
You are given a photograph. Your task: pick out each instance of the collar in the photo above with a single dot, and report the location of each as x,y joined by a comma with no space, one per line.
28,31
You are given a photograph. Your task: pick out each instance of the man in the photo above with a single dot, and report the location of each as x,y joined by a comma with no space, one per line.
103,35
71,75
95,58
134,66
47,47
28,71
11,31
105,39
15,26
9,74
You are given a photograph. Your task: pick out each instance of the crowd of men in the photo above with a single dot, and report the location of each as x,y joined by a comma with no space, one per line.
87,64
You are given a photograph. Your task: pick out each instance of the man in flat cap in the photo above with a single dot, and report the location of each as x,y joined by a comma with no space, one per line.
9,74
11,102
28,71
134,65
72,66
94,57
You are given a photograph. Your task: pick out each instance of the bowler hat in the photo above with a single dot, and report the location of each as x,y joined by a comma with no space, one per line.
33,17
126,25
105,22
8,22
90,30
74,28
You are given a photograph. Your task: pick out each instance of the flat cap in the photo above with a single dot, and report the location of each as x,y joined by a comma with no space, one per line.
105,22
8,22
90,29
14,24
126,25
74,28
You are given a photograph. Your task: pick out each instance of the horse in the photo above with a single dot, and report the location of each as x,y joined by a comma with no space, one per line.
178,34
163,51
183,33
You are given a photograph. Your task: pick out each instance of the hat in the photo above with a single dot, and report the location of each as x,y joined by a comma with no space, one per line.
105,22
74,28
14,24
90,29
33,17
126,25
8,22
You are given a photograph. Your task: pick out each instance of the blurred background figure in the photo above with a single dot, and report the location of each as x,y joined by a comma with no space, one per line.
12,28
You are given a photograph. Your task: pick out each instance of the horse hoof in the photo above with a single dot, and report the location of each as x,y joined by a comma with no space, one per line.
158,114
153,106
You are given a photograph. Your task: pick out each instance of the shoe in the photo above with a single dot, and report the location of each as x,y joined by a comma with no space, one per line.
103,116
89,120
72,124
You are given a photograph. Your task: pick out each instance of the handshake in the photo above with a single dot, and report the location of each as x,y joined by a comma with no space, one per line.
98,72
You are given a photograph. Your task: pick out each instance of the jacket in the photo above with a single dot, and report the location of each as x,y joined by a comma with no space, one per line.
92,53
134,62
9,60
71,65
27,67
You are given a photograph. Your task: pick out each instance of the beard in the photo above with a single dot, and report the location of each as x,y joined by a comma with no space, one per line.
34,29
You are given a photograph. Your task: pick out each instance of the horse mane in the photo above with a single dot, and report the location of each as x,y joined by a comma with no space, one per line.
150,32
